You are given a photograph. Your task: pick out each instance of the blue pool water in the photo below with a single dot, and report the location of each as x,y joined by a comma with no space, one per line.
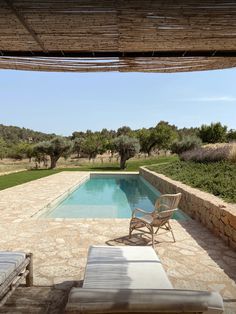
108,196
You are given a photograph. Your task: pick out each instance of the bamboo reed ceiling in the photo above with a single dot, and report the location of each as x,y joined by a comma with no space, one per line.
122,35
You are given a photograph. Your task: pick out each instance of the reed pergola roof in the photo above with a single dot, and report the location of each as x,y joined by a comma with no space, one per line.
121,35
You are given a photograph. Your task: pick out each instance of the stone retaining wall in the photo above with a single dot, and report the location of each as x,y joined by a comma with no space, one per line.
211,211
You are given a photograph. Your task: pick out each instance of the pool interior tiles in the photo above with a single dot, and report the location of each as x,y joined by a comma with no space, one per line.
108,196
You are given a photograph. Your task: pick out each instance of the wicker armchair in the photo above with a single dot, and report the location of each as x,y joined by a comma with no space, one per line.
165,206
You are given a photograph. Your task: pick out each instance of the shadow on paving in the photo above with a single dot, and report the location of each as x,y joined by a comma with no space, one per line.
214,246
40,299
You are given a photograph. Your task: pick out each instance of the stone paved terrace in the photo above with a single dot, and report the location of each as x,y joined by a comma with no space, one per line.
198,260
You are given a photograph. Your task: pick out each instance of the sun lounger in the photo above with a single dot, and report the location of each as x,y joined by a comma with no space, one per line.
132,280
14,267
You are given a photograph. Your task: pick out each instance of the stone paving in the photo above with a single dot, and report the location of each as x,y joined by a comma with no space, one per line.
198,259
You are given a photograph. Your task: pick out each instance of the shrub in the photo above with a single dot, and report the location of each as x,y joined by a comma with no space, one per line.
232,155
214,133
231,136
186,144
208,153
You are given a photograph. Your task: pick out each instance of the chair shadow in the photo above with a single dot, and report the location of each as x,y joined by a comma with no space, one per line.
137,239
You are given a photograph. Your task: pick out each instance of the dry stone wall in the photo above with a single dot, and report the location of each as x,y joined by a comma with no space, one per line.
211,211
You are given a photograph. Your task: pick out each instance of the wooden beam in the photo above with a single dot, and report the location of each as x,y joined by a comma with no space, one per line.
25,24
118,54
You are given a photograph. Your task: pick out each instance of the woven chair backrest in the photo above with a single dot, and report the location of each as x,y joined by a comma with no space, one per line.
166,205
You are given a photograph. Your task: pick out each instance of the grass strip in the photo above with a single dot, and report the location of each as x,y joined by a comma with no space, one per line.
13,179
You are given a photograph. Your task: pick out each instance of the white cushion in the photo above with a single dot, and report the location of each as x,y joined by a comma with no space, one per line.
143,301
124,267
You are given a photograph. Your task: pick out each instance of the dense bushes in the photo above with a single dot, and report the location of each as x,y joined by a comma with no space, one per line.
231,136
218,178
213,133
187,143
14,135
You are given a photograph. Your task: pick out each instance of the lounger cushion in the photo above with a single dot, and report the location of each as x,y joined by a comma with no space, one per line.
124,267
9,261
143,301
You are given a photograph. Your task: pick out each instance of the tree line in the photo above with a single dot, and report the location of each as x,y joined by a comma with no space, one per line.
19,143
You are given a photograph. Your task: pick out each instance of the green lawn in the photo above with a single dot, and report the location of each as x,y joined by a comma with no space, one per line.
13,179
218,178
132,164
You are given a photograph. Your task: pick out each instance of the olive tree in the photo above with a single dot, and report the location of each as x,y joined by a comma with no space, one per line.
20,151
93,145
77,145
55,148
127,147
163,135
146,140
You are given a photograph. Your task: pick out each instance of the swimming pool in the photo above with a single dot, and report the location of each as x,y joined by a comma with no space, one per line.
108,196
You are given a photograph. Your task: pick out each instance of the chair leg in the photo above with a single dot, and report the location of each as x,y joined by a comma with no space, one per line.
169,227
130,231
152,232
29,267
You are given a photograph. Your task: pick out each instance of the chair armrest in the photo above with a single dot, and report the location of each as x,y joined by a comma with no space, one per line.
143,301
139,210
165,213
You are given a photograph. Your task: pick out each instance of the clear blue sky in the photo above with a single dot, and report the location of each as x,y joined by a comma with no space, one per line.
64,102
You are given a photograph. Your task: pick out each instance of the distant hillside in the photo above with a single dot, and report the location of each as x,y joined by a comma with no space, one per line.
14,134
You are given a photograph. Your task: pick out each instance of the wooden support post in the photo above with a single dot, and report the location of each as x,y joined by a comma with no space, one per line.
29,267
